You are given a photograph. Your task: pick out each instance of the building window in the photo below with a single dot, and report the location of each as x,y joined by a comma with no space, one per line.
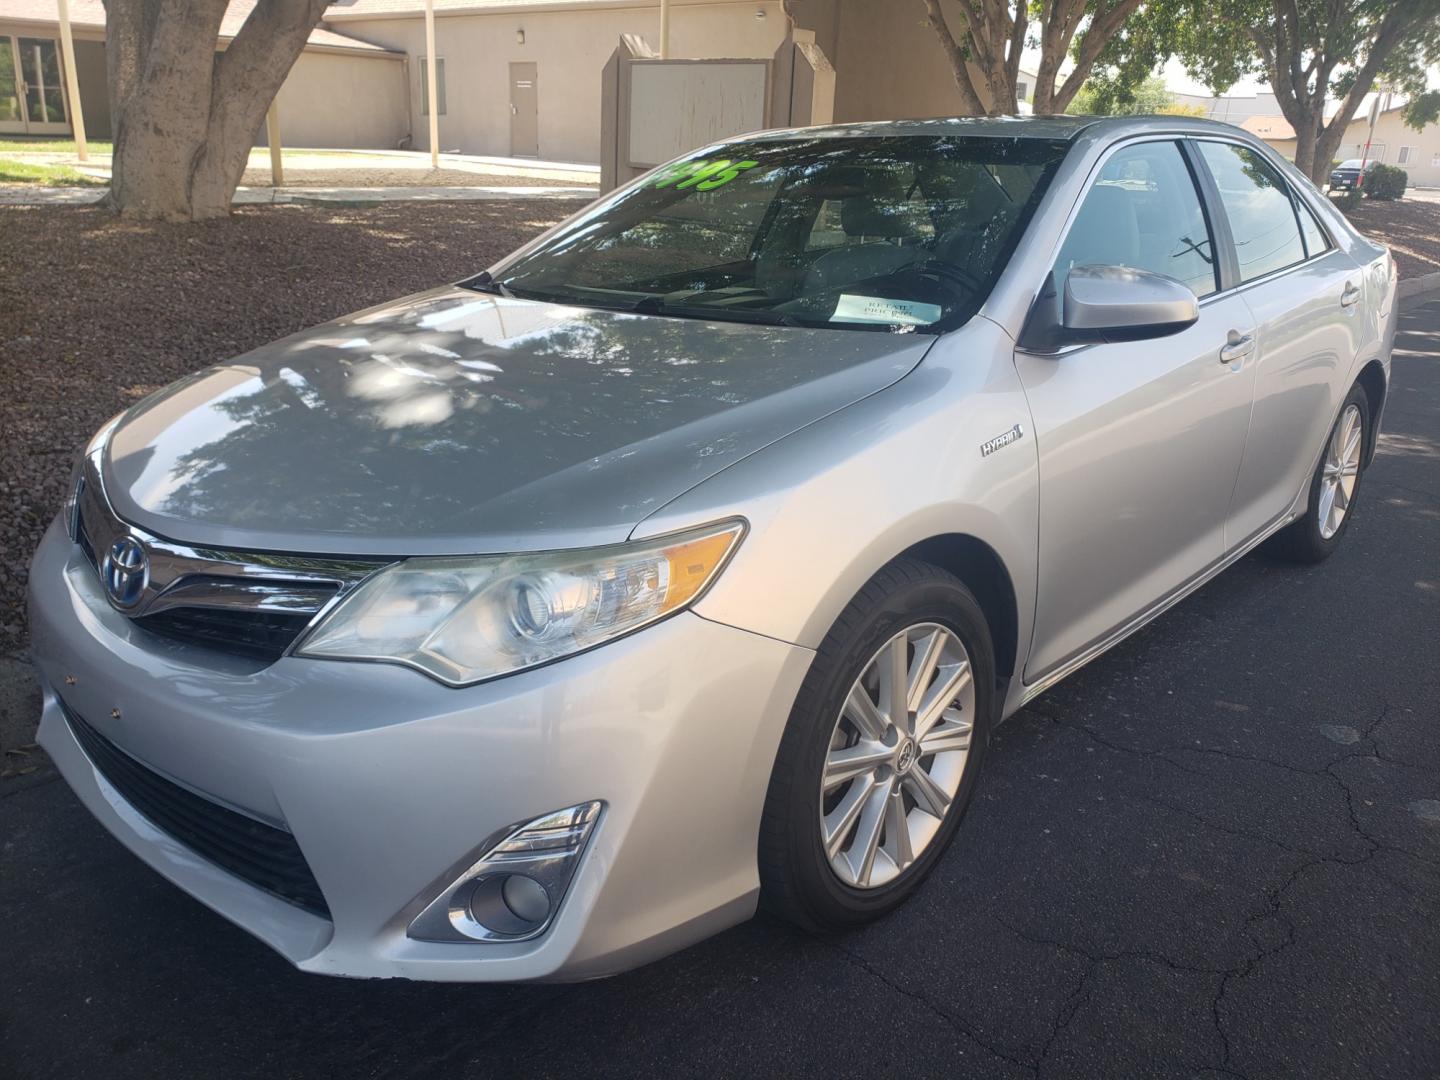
1435,160
1022,91
425,85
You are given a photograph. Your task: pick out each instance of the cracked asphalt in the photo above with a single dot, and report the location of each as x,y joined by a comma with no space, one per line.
1214,852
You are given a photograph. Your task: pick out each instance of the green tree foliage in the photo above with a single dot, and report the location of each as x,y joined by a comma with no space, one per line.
1103,97
985,44
1310,52
1422,110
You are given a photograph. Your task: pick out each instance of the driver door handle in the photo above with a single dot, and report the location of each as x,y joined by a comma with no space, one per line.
1351,294
1237,347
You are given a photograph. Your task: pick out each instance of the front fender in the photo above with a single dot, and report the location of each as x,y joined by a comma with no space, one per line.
834,502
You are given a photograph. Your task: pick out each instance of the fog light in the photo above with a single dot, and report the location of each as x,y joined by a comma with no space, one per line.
509,904
526,898
513,890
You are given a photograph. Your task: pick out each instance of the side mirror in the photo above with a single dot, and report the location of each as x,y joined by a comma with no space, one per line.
1108,303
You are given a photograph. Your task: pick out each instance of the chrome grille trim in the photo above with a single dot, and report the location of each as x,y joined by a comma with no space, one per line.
183,577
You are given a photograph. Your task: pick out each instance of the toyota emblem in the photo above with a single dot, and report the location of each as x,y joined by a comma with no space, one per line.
126,572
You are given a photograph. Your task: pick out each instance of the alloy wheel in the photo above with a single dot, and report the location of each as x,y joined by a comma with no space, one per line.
897,755
1340,471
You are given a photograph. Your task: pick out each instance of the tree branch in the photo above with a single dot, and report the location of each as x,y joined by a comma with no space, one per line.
969,98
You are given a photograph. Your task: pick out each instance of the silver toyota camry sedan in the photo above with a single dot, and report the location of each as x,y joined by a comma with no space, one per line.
539,625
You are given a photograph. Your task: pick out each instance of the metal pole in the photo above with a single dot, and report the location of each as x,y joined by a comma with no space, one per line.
272,131
430,84
664,29
1369,137
72,82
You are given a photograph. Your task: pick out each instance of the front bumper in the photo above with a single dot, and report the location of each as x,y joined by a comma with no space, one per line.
388,780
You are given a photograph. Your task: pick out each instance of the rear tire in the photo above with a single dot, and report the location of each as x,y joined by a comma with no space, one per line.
920,624
1334,487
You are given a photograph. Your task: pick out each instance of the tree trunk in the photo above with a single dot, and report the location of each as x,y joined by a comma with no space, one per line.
1325,150
1301,87
1307,128
185,115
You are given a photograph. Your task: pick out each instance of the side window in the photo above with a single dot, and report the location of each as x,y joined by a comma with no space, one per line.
1257,202
425,85
1315,239
1143,212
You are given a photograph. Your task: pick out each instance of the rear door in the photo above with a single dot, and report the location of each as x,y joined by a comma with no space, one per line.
1304,294
1139,442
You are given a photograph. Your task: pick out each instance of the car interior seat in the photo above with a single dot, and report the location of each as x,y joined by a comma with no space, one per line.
1105,232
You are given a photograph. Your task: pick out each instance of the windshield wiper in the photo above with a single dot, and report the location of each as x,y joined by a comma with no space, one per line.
487,282
652,304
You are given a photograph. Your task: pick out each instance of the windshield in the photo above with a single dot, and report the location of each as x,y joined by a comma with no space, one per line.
903,233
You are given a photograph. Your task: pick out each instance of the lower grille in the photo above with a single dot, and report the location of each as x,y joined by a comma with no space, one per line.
261,634
266,857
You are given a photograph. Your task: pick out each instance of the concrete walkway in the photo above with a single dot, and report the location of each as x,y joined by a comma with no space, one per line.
35,195
347,176
303,160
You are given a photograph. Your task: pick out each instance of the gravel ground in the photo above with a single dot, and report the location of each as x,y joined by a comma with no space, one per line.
96,313
1410,226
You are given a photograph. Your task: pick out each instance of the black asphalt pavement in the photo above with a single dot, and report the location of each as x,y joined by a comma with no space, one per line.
1215,851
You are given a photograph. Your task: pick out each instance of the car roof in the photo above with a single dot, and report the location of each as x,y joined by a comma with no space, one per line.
1062,127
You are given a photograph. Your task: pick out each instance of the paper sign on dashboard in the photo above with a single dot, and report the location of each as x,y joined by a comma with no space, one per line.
880,309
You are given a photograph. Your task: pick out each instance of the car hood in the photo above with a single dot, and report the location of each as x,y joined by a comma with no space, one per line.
456,422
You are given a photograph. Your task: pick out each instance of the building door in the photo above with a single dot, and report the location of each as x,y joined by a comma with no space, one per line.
524,111
32,92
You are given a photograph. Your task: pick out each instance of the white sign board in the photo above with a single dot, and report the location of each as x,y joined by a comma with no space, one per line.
677,105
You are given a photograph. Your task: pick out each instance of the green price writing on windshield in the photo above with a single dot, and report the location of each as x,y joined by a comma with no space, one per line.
701,175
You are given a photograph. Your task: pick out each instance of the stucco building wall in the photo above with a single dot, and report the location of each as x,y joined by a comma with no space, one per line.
889,64
569,48
331,100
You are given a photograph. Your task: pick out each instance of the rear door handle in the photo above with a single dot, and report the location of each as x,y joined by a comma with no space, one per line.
1237,347
1351,295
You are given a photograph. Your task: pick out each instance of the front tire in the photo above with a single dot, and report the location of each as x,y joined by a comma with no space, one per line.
1334,487
880,756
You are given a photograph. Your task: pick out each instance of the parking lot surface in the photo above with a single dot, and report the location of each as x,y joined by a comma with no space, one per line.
1213,852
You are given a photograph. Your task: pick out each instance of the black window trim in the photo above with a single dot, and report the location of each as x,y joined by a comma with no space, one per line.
1221,238
1301,204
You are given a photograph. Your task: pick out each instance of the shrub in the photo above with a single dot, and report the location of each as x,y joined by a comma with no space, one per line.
1346,200
1386,182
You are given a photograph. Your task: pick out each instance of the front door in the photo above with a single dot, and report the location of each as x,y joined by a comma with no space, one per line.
1139,442
32,91
524,111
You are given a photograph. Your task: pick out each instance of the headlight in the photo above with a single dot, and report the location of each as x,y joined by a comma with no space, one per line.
467,620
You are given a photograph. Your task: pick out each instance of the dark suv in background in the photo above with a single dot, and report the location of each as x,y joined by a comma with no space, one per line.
1346,175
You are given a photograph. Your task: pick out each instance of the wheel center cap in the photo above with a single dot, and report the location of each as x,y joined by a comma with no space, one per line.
905,755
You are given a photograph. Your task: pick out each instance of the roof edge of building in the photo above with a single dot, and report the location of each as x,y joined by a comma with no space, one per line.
517,7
